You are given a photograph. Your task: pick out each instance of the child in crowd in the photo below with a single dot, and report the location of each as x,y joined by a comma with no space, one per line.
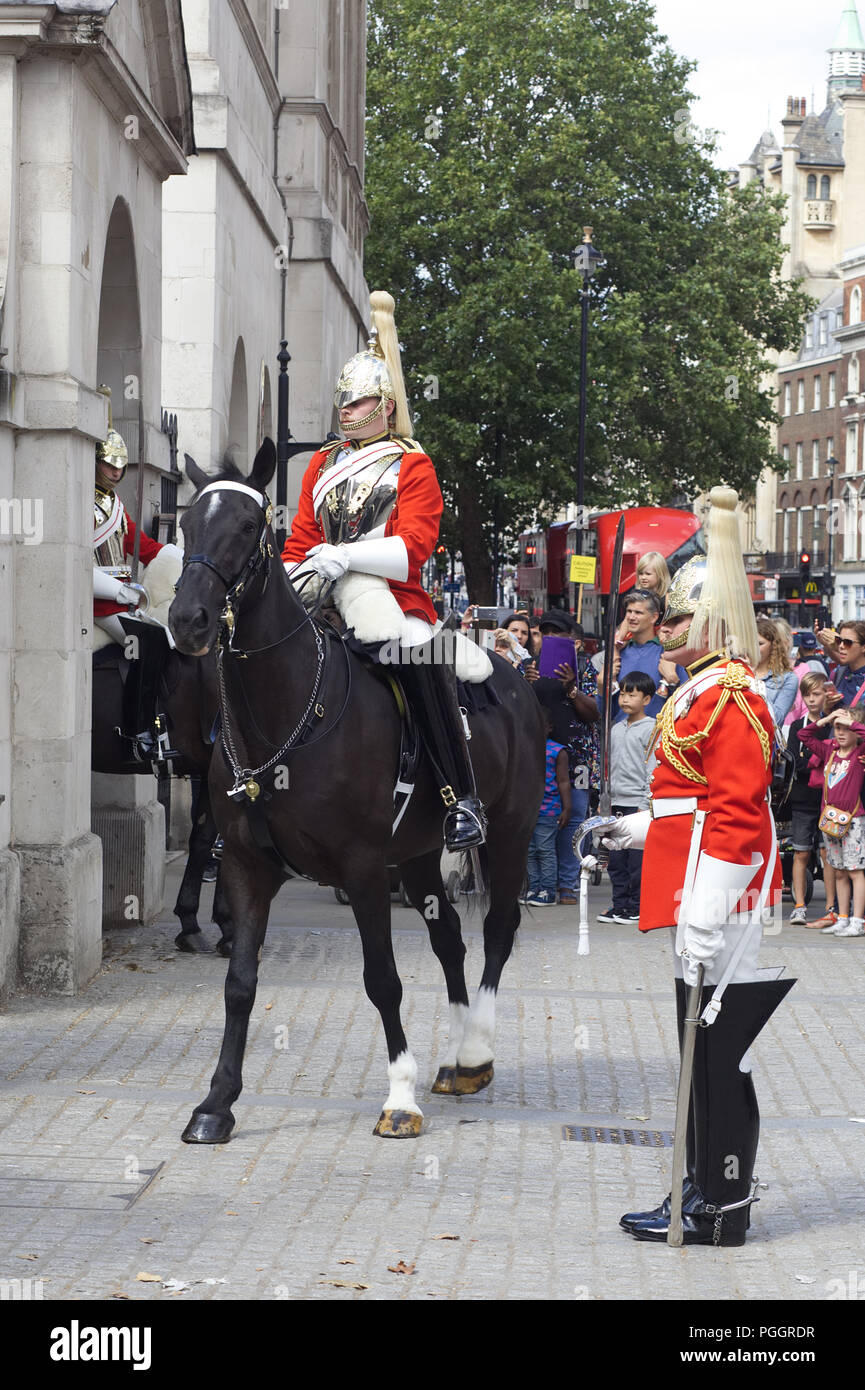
555,812
805,801
843,768
630,741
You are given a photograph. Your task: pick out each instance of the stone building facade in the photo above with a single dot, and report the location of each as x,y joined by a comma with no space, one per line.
127,257
819,165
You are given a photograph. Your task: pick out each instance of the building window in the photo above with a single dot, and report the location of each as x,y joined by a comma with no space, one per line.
787,405
811,186
855,305
785,454
786,546
800,396
799,449
851,449
809,333
831,400
853,375
824,186
851,514
823,336
830,448
818,393
815,458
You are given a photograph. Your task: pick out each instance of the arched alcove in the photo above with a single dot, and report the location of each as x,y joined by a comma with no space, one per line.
238,410
118,352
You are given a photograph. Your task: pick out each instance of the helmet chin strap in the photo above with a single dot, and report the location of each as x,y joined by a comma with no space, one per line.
365,420
675,642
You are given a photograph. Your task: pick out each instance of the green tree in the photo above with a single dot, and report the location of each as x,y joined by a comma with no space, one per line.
495,131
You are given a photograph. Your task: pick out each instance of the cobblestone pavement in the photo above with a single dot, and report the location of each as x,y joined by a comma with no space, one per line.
490,1203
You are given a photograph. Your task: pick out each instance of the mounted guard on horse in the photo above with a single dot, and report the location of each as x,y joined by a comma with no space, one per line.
122,606
368,519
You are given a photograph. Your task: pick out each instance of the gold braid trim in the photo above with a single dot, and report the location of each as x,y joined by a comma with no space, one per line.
733,682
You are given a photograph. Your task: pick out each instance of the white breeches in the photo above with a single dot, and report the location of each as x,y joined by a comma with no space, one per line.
415,632
112,625
747,969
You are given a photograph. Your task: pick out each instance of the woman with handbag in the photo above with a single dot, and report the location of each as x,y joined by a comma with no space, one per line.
842,815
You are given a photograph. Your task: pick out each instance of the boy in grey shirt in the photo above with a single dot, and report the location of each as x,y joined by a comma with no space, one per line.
630,739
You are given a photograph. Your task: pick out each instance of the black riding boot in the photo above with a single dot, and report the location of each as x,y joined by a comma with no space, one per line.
726,1119
143,725
432,689
632,1219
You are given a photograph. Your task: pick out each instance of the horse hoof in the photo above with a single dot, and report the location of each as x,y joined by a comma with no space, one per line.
445,1082
208,1129
398,1124
469,1080
194,943
223,946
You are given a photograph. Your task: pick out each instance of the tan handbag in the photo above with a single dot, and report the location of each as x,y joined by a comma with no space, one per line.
835,823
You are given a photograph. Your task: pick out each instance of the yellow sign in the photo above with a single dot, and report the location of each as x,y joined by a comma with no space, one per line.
583,569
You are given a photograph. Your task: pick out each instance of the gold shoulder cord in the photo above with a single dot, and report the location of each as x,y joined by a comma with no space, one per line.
733,682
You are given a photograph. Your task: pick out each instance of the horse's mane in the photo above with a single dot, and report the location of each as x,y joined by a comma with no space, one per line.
227,472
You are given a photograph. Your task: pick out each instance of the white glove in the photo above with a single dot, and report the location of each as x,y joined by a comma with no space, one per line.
718,886
133,595
385,556
588,864
628,833
330,561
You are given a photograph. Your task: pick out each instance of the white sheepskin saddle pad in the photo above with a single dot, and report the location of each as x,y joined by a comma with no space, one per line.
159,579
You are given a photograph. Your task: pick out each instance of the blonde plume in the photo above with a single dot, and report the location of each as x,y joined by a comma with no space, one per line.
382,305
725,609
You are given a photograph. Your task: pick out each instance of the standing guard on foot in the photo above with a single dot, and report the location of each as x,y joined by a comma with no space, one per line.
370,505
711,868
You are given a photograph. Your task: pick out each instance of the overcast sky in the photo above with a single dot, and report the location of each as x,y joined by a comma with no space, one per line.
752,55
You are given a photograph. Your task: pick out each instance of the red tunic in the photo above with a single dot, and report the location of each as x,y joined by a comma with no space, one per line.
735,777
148,548
415,517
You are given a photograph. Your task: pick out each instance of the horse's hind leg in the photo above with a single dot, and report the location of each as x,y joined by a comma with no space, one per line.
369,892
422,881
505,870
253,884
190,937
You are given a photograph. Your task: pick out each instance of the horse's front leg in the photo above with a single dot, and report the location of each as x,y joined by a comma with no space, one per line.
422,881
253,882
368,889
506,850
190,937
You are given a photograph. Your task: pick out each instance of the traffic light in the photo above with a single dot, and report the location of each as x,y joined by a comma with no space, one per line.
441,558
804,568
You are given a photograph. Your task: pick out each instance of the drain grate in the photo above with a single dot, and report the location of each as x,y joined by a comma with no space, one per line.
640,1138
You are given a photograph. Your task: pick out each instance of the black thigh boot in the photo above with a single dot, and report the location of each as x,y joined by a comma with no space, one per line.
432,688
726,1117
632,1219
140,693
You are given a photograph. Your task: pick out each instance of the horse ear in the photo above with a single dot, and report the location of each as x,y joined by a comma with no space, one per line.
196,475
264,465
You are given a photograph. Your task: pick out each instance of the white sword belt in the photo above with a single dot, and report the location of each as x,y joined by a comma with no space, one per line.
662,806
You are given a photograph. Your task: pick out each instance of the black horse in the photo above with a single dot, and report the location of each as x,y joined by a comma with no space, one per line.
304,777
188,697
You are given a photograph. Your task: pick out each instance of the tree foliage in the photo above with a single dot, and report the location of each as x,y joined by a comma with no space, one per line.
495,131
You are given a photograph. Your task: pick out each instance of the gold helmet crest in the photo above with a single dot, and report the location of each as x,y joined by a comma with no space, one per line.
377,371
112,451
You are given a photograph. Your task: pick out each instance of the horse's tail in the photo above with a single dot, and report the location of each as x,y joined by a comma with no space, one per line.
475,870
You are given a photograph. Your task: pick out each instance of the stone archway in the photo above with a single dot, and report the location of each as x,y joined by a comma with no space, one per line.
265,408
125,811
118,354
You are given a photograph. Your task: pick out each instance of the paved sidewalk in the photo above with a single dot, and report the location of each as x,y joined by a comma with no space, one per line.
490,1203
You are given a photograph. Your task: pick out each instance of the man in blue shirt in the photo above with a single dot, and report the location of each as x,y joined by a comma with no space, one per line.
643,651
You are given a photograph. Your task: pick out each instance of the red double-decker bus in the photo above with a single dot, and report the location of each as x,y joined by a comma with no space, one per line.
545,557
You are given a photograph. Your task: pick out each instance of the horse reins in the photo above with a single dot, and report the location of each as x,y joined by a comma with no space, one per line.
246,786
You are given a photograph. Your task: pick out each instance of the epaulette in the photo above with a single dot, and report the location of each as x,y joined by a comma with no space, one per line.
329,445
408,446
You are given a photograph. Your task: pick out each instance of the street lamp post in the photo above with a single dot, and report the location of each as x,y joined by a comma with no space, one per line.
587,260
831,464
